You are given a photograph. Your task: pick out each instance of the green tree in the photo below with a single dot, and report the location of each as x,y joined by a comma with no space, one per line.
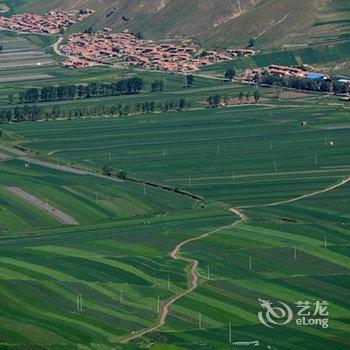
214,101
157,85
11,98
182,103
230,73
139,35
106,170
121,175
190,80
256,96
251,42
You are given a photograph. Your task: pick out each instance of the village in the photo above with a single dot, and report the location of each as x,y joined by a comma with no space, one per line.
52,22
285,71
125,49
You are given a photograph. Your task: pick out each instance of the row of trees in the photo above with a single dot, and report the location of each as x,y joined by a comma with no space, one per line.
216,101
71,92
306,84
35,112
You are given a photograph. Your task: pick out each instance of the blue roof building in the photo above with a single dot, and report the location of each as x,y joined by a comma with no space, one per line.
315,76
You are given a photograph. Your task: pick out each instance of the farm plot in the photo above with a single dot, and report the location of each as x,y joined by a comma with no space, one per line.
58,214
278,255
119,272
82,197
233,155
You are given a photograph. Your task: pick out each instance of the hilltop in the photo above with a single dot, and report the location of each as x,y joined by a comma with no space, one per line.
272,23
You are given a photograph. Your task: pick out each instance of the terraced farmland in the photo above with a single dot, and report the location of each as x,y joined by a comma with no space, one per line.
118,259
85,198
174,231
119,270
232,155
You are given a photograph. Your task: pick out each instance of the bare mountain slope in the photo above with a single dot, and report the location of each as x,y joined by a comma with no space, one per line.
220,22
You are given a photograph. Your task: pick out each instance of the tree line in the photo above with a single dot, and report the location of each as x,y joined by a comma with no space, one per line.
71,92
298,83
216,101
24,113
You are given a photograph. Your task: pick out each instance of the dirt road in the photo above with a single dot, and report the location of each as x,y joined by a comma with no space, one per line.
312,194
194,263
56,46
66,168
62,217
175,254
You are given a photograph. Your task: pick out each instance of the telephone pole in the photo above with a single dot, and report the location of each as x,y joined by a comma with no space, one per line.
121,296
230,332
79,302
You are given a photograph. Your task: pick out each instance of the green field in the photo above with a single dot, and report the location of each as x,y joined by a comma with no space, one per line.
245,156
189,174
231,154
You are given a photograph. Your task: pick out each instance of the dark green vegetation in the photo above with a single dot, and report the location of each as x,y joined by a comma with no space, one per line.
245,155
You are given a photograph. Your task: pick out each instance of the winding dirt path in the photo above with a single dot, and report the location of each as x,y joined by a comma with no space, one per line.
56,46
312,194
175,254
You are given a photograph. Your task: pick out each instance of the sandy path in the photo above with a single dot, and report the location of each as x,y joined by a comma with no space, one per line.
312,194
56,46
62,217
66,168
193,272
194,263
15,151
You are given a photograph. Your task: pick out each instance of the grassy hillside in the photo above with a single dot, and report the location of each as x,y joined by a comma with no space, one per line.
220,23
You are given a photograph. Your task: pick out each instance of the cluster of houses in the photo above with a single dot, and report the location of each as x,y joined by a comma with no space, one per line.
128,50
285,71
49,23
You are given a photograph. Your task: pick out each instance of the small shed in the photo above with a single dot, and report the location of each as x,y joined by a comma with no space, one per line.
304,123
331,143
